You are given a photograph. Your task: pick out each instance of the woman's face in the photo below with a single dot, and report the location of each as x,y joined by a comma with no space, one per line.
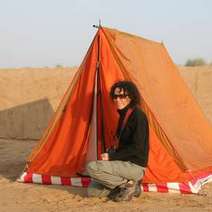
120,99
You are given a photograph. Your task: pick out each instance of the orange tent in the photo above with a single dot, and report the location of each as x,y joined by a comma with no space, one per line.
84,123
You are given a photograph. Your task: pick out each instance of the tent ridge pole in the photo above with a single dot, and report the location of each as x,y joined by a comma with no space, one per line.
98,26
100,114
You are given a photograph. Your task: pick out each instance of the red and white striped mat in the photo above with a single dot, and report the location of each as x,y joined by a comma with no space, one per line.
193,186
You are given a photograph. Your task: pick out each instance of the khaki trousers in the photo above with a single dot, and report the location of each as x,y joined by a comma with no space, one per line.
110,174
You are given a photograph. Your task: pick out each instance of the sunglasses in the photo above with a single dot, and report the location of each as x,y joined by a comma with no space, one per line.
120,96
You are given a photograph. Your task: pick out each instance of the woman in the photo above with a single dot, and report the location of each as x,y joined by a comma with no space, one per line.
119,172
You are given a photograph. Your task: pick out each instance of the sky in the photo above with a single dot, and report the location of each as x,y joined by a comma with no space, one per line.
46,33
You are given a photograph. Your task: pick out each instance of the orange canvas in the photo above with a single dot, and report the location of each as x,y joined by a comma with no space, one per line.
178,128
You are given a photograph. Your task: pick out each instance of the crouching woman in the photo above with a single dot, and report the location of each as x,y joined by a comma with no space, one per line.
118,175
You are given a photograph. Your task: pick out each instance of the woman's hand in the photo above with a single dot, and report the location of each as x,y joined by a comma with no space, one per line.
105,156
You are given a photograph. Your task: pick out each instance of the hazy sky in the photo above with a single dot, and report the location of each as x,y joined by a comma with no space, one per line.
37,33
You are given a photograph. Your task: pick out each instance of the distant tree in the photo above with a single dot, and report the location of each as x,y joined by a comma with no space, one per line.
59,66
195,62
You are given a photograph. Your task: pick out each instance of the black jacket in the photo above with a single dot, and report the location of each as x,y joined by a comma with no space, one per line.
134,138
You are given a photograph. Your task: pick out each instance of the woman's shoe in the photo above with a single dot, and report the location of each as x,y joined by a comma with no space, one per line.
127,192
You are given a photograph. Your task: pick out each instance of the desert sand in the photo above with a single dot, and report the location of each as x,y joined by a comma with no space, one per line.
28,99
20,197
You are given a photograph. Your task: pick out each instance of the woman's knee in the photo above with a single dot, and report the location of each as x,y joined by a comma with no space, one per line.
91,166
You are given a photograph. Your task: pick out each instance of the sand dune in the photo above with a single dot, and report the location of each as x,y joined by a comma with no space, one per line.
30,96
28,99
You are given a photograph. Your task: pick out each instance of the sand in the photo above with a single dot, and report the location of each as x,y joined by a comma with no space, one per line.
21,197
28,99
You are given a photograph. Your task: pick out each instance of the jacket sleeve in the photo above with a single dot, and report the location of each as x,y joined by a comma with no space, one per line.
138,144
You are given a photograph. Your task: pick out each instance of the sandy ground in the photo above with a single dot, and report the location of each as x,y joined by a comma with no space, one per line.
20,197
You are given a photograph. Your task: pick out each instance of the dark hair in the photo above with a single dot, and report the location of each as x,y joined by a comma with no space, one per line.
129,89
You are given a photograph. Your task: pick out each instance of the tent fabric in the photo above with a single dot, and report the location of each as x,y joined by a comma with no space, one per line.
178,128
168,97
